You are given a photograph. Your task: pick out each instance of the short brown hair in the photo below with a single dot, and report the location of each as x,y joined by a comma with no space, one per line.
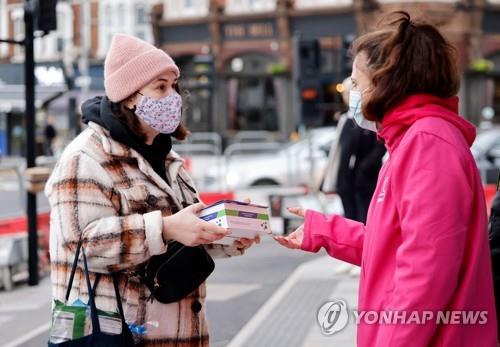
129,119
405,57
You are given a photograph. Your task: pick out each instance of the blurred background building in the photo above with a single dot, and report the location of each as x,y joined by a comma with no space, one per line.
247,64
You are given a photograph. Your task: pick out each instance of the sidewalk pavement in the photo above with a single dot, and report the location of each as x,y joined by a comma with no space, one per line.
289,317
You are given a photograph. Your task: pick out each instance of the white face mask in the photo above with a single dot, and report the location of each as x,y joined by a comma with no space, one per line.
356,111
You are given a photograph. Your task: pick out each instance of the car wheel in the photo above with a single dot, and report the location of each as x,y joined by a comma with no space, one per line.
265,182
6,273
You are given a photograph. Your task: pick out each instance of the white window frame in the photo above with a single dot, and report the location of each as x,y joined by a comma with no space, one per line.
17,18
144,28
442,1
126,25
4,27
307,4
249,6
175,9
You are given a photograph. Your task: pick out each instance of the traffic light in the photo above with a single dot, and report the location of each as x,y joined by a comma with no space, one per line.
46,15
310,100
309,57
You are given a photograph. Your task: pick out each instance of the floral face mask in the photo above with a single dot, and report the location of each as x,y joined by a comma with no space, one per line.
163,115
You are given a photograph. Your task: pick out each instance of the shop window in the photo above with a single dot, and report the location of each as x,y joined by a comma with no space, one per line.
253,93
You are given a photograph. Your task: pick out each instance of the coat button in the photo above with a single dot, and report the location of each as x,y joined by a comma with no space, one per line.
196,306
151,200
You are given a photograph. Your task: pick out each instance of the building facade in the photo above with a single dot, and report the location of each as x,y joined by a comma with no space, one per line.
69,61
250,46
236,58
239,58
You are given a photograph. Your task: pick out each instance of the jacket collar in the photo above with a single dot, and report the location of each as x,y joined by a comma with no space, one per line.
398,120
116,149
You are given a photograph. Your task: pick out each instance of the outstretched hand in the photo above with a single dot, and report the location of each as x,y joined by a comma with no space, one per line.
294,240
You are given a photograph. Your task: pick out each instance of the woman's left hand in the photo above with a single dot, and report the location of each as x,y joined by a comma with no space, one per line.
244,243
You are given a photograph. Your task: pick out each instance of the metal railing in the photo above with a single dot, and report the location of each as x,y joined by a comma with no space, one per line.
200,143
203,145
254,136
251,148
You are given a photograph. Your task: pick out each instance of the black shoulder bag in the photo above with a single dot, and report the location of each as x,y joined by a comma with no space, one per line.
172,276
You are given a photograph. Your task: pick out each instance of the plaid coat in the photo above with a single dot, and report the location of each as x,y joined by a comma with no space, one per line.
108,194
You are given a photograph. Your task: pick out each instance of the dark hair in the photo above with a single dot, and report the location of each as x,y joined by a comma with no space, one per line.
128,118
405,57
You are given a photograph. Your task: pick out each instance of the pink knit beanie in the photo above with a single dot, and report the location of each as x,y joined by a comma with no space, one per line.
131,64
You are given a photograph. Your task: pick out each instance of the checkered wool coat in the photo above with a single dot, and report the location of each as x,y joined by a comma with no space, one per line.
108,194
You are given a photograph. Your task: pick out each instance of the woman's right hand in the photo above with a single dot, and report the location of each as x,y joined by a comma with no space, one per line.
187,228
294,240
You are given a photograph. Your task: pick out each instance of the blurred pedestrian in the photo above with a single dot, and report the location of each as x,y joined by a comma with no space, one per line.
123,194
424,248
50,134
494,236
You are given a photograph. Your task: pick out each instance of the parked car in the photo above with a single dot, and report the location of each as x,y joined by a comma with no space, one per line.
486,152
289,166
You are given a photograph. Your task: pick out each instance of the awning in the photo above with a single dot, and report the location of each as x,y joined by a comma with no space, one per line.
12,97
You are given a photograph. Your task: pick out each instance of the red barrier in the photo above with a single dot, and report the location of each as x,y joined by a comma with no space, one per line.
188,165
212,197
20,225
489,193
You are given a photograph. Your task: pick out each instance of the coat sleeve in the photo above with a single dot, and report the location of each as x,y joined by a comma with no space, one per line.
434,199
342,238
223,251
84,205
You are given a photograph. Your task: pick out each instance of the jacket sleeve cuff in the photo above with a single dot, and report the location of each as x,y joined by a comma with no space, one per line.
307,244
153,225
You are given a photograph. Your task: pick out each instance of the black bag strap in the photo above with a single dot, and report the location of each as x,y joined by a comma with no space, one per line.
96,328
118,297
73,269
92,289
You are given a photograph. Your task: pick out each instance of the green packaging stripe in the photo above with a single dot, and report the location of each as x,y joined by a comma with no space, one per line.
234,213
80,313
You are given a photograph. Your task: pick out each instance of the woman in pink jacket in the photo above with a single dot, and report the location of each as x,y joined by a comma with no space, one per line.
424,249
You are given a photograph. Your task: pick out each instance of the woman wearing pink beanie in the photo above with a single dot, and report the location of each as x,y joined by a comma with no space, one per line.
122,195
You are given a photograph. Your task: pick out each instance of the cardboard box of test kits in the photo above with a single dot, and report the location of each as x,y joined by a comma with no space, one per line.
244,220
